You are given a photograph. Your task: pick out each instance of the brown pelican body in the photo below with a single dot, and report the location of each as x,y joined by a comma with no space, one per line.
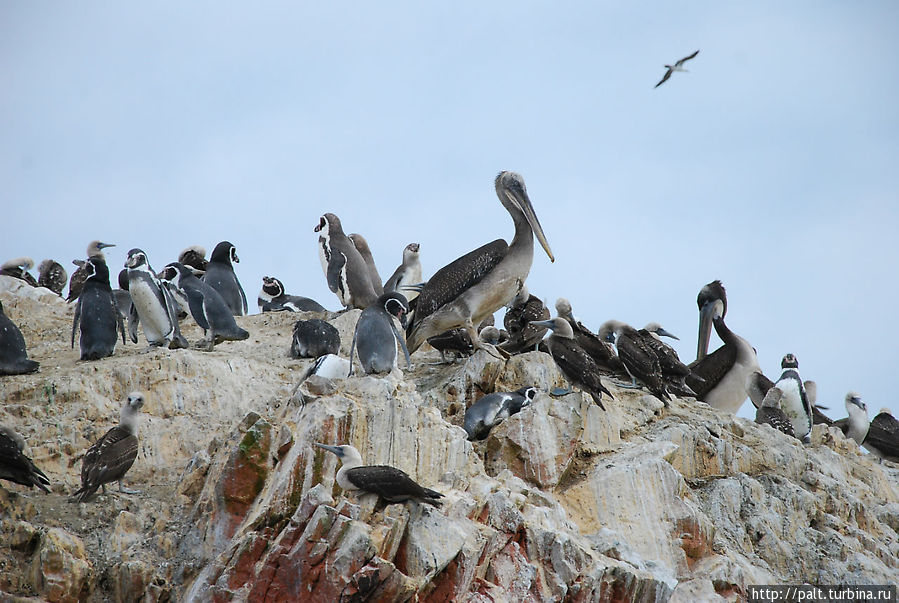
523,312
112,456
575,363
362,247
52,275
389,483
479,283
15,466
345,269
725,371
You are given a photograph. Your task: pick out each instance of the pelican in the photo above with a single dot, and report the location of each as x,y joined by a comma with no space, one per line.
479,283
726,370
678,66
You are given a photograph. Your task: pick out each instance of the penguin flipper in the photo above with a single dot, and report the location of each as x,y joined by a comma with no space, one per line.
352,349
335,265
76,320
195,303
120,324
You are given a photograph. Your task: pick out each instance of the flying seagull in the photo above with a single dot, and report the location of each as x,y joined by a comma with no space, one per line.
679,66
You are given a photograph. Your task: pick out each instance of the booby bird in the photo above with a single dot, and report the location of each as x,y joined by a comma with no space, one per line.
96,312
638,357
52,275
344,267
492,409
481,282
18,268
722,374
151,303
857,425
15,466
76,282
457,341
376,336
524,311
770,413
361,246
272,298
575,363
207,307
389,483
194,257
13,355
880,436
314,338
674,371
220,276
407,273
599,349
678,66
112,455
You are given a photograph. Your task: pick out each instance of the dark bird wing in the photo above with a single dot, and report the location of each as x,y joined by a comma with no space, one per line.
757,387
524,336
687,58
391,484
712,368
664,78
336,262
883,435
457,276
578,367
18,468
776,418
107,461
76,319
643,365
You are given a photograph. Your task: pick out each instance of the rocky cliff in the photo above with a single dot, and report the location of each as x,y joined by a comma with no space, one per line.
562,502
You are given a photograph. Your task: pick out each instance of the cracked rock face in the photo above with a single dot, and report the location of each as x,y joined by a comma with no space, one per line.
562,501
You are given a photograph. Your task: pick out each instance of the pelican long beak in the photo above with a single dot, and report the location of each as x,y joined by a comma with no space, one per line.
521,200
706,314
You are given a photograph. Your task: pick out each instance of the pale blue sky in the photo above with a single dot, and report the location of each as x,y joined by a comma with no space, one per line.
772,165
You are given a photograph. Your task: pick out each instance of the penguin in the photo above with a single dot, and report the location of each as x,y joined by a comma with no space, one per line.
15,466
76,283
52,275
151,303
494,408
794,401
110,458
314,338
272,298
375,334
206,306
18,268
407,273
361,246
194,257
13,357
343,265
96,311
220,276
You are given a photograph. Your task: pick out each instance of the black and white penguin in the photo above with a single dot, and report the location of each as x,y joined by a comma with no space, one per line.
220,276
97,313
361,246
493,409
272,298
343,265
110,458
52,275
15,466
407,273
151,304
194,257
18,268
13,357
206,306
314,338
376,336
794,401
76,282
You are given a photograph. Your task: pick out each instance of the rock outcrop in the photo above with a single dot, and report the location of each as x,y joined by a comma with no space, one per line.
561,502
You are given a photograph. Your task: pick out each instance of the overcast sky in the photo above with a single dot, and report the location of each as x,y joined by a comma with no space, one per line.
772,165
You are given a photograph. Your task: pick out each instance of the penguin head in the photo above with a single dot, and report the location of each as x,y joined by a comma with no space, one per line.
529,393
225,252
411,249
174,273
97,270
136,259
327,224
395,304
272,286
789,361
